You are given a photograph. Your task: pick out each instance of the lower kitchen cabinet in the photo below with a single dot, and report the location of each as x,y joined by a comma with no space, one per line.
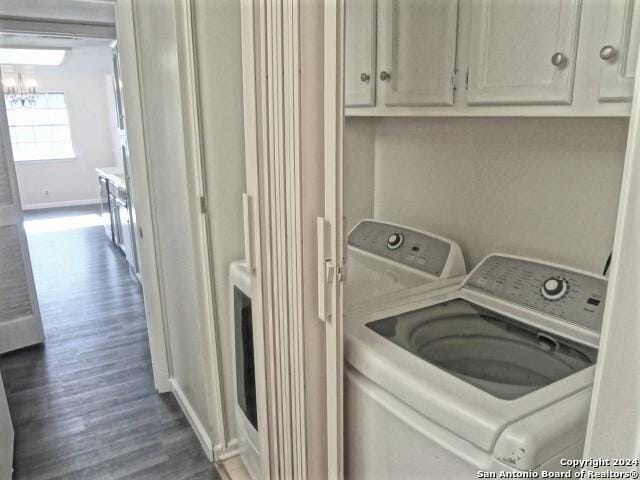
116,213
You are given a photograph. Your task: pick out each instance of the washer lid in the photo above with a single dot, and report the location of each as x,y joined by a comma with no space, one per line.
491,351
369,277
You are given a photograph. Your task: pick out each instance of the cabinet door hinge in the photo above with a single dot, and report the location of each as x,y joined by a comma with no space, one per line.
466,81
454,80
203,204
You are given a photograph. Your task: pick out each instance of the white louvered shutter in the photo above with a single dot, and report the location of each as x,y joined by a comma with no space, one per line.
20,323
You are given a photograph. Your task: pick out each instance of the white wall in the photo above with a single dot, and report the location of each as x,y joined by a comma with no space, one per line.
546,188
359,168
72,181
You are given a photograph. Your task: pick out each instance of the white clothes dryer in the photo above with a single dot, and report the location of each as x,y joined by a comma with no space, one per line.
385,259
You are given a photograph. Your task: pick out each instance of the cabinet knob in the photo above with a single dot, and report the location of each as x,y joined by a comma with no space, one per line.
558,59
384,76
608,52
365,77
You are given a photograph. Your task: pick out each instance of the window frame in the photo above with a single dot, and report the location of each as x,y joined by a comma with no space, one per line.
52,158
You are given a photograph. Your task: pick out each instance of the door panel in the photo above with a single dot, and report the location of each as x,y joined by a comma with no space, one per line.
418,45
511,50
20,323
360,53
623,34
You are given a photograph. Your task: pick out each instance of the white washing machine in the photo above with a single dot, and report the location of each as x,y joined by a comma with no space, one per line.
388,259
244,367
492,374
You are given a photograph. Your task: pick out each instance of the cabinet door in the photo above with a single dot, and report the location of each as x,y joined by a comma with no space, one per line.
418,43
619,52
523,51
360,53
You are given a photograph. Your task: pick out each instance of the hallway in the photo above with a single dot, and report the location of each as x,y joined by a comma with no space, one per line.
84,405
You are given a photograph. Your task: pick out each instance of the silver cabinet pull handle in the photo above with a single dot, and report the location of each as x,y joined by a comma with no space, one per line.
384,76
558,59
608,52
365,77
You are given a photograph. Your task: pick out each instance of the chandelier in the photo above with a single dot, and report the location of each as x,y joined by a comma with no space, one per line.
20,94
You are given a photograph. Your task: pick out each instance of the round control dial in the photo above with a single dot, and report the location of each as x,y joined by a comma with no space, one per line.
554,288
395,241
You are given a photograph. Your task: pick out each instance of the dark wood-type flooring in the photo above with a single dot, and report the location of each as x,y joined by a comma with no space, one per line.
84,405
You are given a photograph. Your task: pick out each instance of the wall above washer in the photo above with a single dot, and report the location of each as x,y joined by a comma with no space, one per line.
545,188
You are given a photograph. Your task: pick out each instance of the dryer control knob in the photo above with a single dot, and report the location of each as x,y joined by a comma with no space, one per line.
554,288
395,241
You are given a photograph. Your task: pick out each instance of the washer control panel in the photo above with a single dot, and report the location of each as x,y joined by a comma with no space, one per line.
572,296
412,248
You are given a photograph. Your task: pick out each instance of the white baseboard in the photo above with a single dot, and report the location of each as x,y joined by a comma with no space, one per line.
69,203
231,450
195,422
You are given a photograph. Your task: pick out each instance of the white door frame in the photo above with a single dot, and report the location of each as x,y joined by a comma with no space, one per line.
614,418
213,431
142,205
221,446
144,218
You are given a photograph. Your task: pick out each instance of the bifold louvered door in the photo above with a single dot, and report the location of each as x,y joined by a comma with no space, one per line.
20,323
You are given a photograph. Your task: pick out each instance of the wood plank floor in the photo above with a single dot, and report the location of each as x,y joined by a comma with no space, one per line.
84,405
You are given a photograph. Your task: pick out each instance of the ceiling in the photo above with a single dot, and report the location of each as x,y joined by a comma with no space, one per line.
85,54
77,11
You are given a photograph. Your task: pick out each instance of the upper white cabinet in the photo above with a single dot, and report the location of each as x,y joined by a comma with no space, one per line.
619,52
490,57
523,51
360,53
418,52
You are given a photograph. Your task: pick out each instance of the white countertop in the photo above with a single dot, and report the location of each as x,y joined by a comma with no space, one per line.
114,174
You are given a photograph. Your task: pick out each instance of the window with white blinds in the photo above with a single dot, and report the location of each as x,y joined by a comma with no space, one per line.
41,131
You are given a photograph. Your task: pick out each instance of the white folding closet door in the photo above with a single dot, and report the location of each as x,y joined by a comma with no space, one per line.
292,78
20,323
